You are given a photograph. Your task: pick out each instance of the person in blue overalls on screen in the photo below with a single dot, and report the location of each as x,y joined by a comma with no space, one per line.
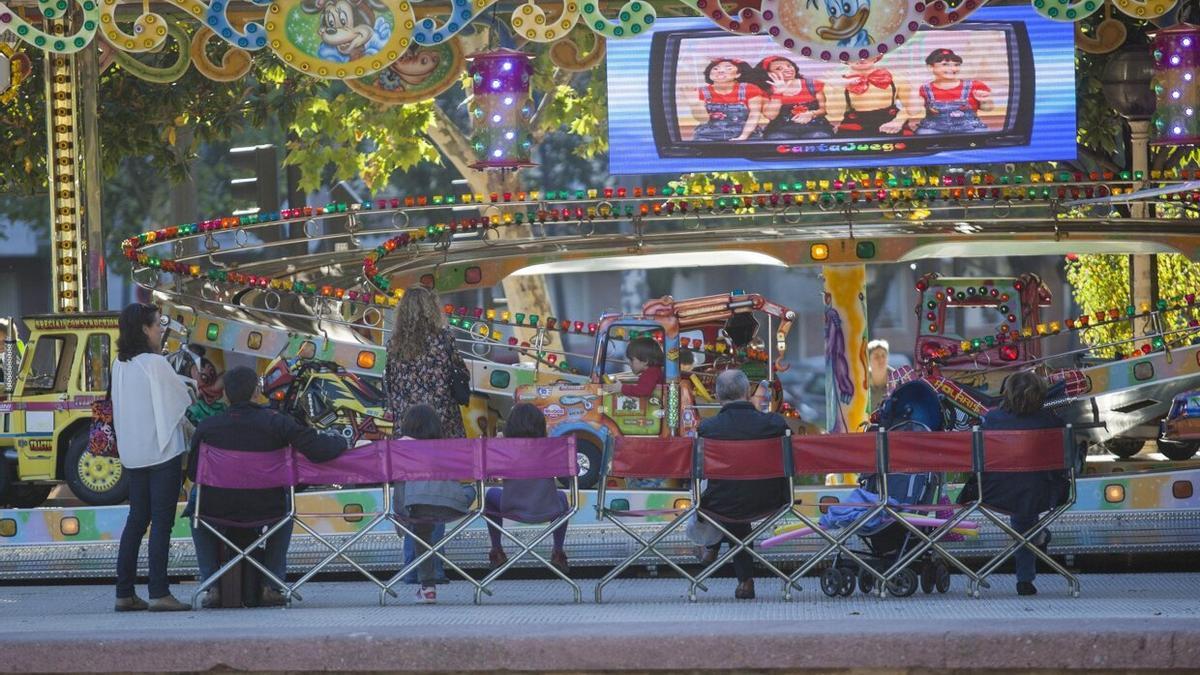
952,105
730,104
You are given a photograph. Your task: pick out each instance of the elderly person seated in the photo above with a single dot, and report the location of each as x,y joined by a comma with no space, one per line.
247,427
741,500
1024,495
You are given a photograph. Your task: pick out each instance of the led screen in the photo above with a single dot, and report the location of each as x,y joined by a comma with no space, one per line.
999,87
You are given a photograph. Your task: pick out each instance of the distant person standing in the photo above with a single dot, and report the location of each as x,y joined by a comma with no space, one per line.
149,404
879,371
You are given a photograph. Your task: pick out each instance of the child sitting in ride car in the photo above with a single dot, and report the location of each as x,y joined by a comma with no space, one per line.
646,360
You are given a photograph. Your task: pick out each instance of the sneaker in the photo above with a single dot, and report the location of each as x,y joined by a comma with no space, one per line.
559,560
497,557
212,599
1026,588
168,603
131,604
745,590
272,598
707,554
427,595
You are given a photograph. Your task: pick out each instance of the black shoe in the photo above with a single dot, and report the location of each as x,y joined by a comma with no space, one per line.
745,590
1026,588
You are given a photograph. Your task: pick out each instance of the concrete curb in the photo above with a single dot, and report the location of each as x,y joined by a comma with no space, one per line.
937,644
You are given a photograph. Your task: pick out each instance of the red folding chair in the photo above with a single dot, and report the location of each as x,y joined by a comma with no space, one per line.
645,457
366,465
527,458
237,470
1019,451
907,452
457,459
822,454
743,460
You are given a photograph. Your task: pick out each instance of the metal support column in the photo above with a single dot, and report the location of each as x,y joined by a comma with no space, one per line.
95,278
63,178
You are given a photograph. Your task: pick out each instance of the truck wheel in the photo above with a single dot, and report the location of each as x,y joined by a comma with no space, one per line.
1124,447
27,496
98,481
1177,451
589,456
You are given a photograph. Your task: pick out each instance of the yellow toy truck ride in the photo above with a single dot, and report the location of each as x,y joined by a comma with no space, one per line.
700,337
45,411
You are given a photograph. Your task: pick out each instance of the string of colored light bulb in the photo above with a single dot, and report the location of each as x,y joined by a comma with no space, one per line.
568,206
1082,322
483,321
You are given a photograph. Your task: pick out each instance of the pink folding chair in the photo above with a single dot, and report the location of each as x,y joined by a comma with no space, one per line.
363,465
458,459
237,470
519,458
1019,451
818,455
908,452
743,460
645,457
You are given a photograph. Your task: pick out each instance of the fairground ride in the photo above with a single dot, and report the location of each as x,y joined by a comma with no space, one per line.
318,283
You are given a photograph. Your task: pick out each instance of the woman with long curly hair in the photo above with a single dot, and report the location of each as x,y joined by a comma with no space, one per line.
421,356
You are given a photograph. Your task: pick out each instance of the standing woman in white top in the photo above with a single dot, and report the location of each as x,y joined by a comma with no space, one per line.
149,401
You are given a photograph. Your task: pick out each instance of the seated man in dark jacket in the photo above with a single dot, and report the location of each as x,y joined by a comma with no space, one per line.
741,499
248,427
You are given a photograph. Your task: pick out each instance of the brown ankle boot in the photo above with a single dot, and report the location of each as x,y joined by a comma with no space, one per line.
745,590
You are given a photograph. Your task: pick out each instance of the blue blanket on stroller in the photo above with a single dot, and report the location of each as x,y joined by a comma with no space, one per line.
839,516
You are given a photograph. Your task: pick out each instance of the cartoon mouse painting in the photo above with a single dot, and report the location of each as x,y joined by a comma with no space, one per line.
411,69
349,29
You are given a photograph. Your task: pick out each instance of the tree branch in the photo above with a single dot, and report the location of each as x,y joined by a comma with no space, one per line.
560,77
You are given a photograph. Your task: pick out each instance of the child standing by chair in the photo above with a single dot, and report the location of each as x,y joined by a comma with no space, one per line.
535,500
428,503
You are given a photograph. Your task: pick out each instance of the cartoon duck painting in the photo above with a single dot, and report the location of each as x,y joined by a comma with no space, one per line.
847,23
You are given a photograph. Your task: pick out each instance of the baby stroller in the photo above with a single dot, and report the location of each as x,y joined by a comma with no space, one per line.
914,406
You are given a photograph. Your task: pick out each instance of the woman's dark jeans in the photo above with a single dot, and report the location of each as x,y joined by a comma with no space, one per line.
153,496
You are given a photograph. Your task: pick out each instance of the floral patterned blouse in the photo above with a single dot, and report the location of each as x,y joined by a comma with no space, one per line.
426,379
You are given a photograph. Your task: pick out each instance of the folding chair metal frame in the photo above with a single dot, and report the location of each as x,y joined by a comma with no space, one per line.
548,530
339,551
528,549
932,539
435,549
1019,540
768,520
837,543
198,521
646,545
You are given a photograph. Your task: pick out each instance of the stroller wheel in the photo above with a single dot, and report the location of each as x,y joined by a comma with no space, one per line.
928,577
866,582
831,581
903,584
941,576
848,578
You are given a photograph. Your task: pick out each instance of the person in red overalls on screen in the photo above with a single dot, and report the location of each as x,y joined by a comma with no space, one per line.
952,105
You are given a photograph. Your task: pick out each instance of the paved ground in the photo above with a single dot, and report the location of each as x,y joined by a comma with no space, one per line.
1146,621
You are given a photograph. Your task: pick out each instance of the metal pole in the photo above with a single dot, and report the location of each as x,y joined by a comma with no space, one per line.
1143,268
62,139
95,277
